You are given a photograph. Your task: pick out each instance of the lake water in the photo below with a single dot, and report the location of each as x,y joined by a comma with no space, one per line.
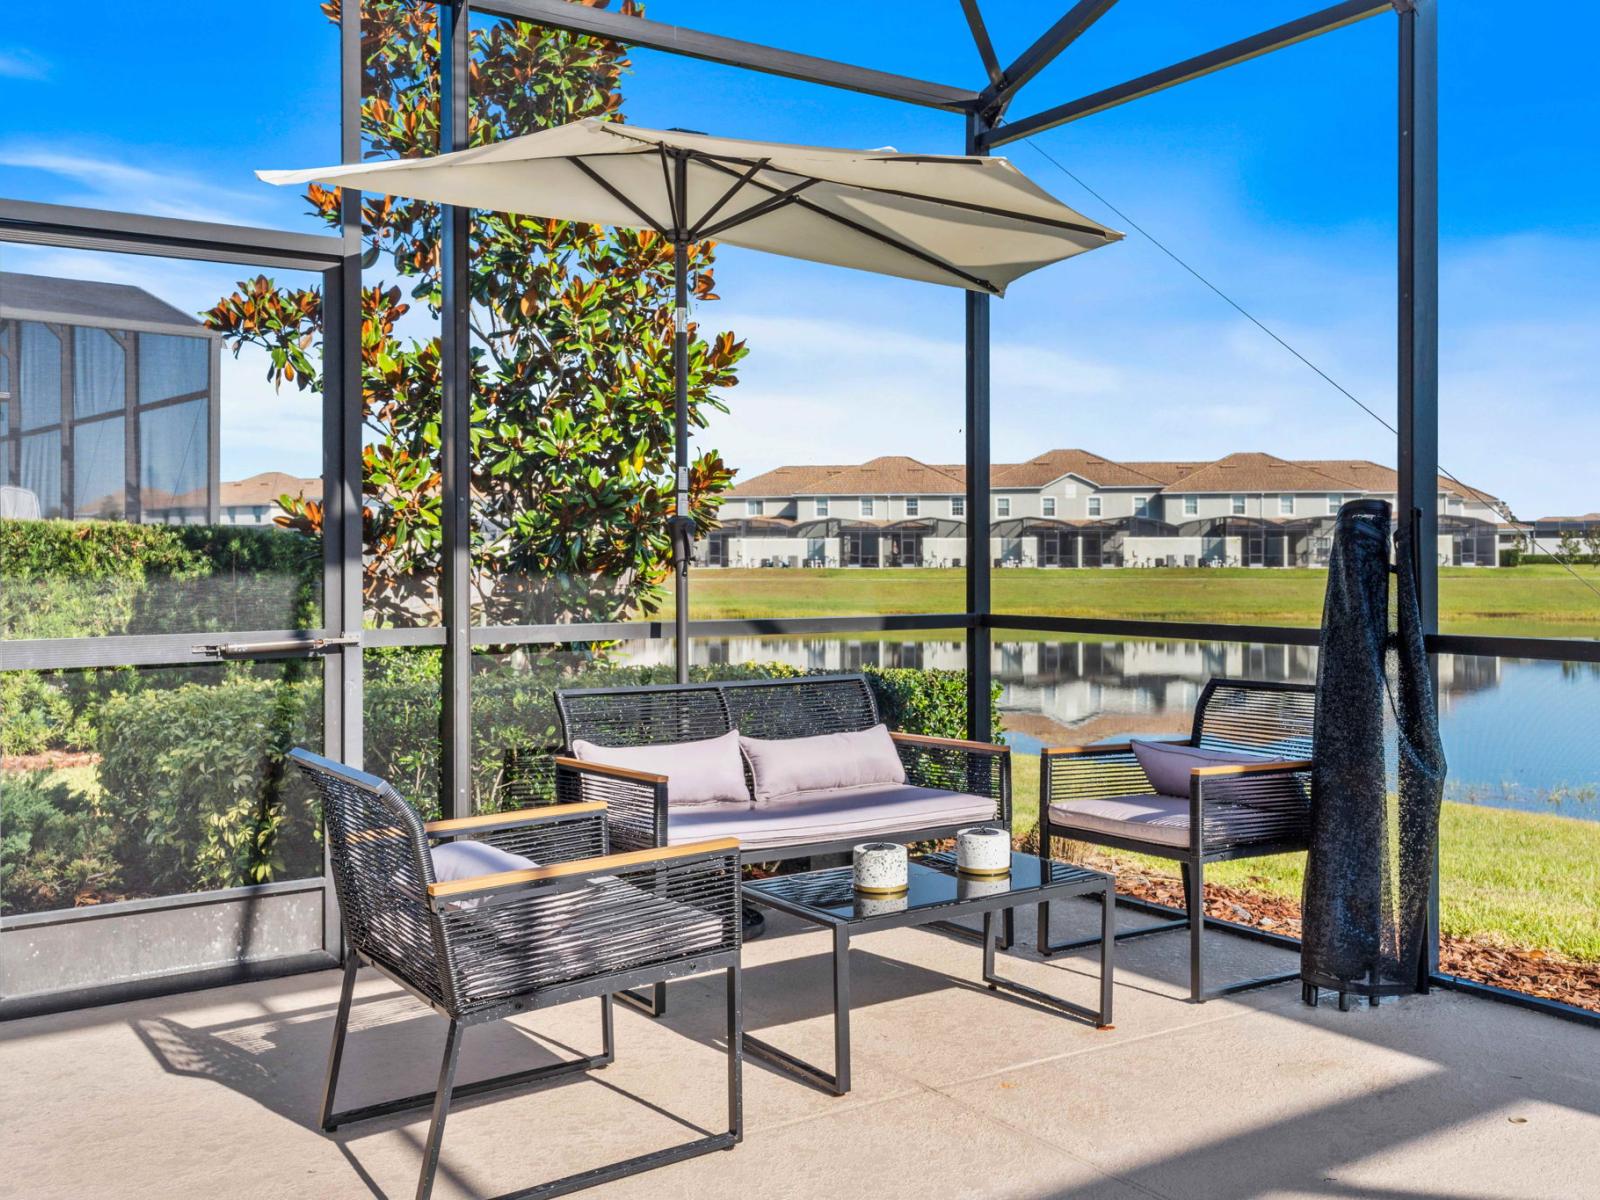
1518,733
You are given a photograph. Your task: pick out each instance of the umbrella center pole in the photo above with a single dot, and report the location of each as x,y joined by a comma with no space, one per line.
683,521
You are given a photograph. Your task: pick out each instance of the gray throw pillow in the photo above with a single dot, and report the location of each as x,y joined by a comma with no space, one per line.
783,767
1167,764
708,771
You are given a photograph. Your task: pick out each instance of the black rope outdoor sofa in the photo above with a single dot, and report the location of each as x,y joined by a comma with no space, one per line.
582,923
949,783
1225,810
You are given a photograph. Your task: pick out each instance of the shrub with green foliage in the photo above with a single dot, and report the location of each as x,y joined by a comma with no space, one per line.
196,786
55,842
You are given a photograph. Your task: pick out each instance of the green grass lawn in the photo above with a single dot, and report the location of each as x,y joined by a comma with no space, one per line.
1539,600
1511,878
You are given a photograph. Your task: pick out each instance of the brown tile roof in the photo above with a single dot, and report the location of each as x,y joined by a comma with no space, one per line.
266,487
1053,464
1245,472
1254,472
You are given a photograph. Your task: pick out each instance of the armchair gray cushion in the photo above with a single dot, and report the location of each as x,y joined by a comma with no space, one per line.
1145,817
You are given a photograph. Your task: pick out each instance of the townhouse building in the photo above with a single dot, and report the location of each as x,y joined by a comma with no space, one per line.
1072,508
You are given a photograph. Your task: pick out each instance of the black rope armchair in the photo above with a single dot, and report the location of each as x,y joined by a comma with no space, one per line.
1238,810
581,924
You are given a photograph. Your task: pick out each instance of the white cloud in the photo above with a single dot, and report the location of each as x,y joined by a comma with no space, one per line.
108,182
23,64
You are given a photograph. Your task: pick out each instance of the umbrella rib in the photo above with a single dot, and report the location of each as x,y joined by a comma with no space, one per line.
696,233
988,209
931,259
757,210
616,194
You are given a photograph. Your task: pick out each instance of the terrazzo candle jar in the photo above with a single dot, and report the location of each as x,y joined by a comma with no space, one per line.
983,850
880,868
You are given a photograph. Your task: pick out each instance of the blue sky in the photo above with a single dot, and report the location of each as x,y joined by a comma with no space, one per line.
1275,179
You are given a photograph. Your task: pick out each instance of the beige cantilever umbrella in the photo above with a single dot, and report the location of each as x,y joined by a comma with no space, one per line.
973,223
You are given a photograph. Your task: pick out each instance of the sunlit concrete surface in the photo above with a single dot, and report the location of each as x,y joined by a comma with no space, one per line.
958,1091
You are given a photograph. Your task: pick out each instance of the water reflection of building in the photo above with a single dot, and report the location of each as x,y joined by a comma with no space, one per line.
1069,682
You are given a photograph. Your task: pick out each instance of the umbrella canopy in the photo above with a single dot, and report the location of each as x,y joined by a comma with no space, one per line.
975,223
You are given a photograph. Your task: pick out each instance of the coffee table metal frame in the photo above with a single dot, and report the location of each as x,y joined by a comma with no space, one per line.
1065,880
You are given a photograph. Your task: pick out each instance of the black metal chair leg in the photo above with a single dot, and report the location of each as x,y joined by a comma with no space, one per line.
441,1110
341,1025
1194,889
608,1036
735,1055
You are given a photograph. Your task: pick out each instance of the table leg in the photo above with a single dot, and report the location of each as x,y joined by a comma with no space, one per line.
1108,946
838,1081
841,1009
1102,1018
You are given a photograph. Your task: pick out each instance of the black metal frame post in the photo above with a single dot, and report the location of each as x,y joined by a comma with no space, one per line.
979,598
455,453
683,526
1417,393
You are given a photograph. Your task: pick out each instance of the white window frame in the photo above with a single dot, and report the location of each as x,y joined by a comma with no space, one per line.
1286,505
822,506
1141,506
958,506
1191,506
753,508
1094,506
1049,506
868,506
1002,506
1335,501
1237,506
913,506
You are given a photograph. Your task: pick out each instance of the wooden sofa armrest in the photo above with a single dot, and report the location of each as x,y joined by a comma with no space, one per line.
462,826
606,864
924,739
597,768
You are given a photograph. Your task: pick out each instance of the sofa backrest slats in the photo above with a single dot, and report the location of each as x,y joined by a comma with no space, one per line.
1256,716
642,716
765,708
804,707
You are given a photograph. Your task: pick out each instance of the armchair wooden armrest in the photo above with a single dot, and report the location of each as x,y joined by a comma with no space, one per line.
1267,768
466,826
1105,747
605,864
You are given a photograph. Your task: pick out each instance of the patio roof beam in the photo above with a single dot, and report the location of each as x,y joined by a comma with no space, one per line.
710,47
1000,92
1300,30
980,38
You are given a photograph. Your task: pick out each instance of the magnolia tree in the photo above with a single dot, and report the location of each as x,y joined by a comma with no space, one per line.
572,387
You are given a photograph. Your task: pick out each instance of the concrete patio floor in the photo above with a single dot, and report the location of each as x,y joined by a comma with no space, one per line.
958,1091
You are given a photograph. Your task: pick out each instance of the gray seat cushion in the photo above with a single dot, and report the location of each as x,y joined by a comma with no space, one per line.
831,815
1148,817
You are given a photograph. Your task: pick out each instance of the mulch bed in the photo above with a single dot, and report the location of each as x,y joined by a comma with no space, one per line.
1533,972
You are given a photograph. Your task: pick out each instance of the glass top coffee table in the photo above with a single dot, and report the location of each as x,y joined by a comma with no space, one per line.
937,894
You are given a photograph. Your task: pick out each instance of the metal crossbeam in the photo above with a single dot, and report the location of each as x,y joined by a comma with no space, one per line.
980,38
710,47
1337,17
1041,54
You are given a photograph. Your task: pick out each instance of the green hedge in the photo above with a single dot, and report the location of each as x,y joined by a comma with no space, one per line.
193,791
62,579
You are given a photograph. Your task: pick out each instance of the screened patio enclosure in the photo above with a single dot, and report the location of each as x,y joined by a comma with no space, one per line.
423,674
